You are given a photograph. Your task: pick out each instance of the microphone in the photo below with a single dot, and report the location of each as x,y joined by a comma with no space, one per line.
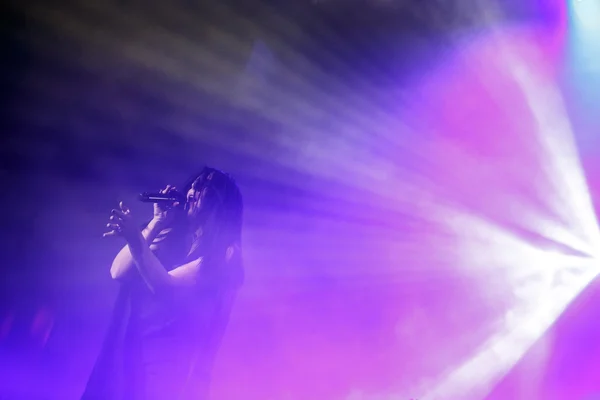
156,197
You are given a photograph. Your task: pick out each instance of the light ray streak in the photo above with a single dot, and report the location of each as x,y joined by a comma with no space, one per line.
556,137
541,301
556,145
541,278
345,154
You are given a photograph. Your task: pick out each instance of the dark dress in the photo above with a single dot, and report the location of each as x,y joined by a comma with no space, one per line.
164,346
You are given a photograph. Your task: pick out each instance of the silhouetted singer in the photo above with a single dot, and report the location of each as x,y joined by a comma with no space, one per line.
179,278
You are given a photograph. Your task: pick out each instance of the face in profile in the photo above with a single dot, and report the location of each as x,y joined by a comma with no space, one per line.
199,199
193,203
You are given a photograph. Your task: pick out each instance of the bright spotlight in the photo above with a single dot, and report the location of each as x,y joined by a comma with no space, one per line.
587,15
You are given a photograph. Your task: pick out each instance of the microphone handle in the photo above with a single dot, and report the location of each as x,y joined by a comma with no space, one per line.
172,197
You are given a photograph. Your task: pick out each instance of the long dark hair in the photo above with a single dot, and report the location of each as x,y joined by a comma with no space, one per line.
221,221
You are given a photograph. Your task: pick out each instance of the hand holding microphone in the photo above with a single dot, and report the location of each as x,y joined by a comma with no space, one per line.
162,196
166,202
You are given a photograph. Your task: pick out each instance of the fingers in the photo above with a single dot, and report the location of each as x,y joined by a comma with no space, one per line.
110,234
168,189
117,214
124,208
117,218
114,227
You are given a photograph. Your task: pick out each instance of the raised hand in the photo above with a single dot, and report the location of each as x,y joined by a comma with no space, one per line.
121,223
165,214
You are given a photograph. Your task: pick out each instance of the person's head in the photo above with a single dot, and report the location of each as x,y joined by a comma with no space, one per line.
214,208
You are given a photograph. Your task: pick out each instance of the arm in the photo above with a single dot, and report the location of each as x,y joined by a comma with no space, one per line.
156,276
123,264
154,273
147,264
